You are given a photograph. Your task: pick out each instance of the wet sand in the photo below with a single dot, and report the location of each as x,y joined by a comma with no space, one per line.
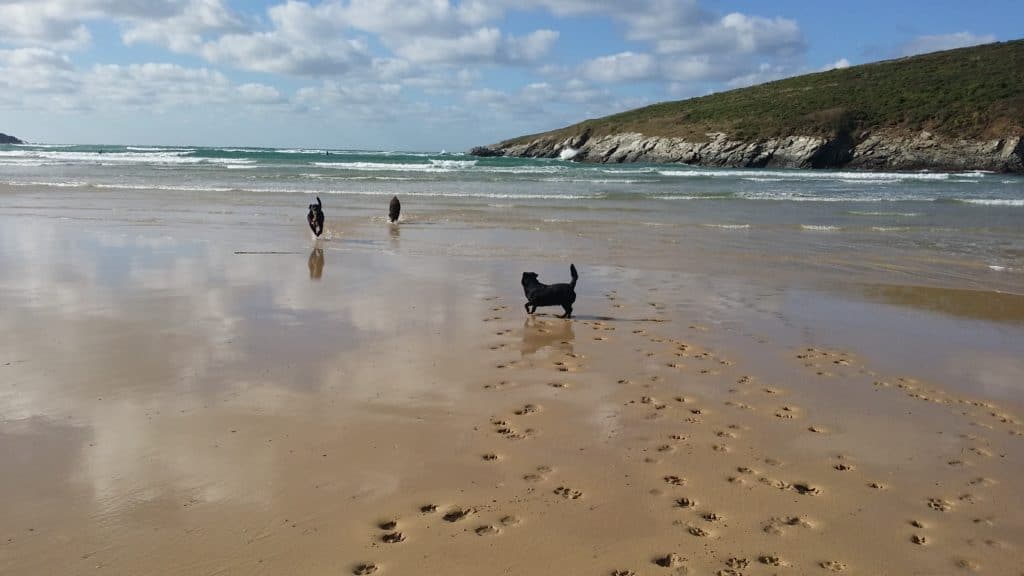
191,397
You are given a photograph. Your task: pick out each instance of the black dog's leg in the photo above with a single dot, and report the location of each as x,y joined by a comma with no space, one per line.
568,312
527,306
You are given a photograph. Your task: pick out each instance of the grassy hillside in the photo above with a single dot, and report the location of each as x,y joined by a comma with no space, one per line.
973,92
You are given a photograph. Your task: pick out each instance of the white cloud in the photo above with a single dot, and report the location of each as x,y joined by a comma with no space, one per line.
764,73
925,44
35,78
837,65
531,47
41,24
621,67
36,71
259,94
185,30
61,24
273,53
364,100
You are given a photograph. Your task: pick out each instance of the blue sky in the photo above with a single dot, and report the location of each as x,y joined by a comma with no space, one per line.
423,74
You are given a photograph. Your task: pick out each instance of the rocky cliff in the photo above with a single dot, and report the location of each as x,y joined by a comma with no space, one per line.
865,151
952,110
5,139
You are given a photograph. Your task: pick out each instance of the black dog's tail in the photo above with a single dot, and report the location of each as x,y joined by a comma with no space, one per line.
575,276
318,204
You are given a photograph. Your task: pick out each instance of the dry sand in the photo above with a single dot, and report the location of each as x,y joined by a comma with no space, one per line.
168,406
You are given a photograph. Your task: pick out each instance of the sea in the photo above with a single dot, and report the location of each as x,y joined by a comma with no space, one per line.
965,225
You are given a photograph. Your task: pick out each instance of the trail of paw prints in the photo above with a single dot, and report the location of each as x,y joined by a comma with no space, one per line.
499,385
801,488
773,560
503,364
919,537
825,362
539,474
568,362
788,412
599,326
833,565
779,526
843,464
568,493
505,429
390,532
734,566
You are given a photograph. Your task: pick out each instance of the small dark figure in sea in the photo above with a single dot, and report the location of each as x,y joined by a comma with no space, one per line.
538,294
394,209
316,217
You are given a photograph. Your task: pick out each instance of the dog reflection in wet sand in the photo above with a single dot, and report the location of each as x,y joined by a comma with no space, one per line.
539,334
316,263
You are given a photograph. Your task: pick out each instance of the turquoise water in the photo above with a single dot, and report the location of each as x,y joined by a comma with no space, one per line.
975,216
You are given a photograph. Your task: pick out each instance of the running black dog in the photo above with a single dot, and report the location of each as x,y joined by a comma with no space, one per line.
316,217
538,294
394,209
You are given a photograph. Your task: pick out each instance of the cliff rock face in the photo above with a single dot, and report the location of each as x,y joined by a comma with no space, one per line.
866,151
5,139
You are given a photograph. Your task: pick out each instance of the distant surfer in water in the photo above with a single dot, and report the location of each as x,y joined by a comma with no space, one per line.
315,218
394,209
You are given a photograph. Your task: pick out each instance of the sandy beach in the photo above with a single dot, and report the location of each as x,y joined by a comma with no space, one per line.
193,394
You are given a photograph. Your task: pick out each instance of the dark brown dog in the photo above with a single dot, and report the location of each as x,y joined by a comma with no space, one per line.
538,294
394,209
315,218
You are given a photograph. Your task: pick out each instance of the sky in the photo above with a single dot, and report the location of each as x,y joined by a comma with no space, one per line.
424,74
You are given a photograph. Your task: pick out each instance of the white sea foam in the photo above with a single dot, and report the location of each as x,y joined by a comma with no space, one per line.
818,228
568,153
889,228
158,149
868,213
67,184
810,175
728,226
996,202
453,164
49,157
392,166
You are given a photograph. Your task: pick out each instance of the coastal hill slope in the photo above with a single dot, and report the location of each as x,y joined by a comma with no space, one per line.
953,110
6,139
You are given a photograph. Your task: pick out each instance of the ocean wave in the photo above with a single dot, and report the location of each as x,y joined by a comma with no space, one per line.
819,228
812,175
57,146
1018,202
67,184
727,226
869,213
392,166
114,158
456,164
158,149
694,197
383,194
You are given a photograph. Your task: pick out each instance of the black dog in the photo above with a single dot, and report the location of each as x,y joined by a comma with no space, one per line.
394,209
538,294
316,217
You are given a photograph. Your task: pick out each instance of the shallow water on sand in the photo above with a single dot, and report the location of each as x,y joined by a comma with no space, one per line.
190,384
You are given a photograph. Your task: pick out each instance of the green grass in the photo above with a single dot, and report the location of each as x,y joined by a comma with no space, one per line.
975,92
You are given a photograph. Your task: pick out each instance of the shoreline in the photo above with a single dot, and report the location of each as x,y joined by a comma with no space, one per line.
269,413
